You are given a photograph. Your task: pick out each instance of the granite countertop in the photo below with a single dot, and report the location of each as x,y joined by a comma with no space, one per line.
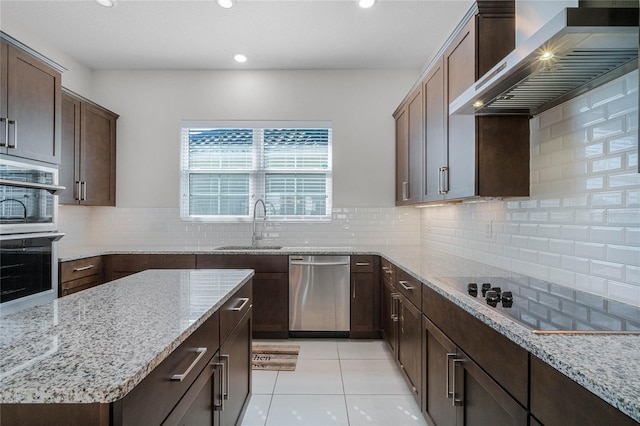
98,344
607,365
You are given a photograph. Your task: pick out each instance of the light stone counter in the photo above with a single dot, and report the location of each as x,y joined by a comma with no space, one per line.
98,344
607,365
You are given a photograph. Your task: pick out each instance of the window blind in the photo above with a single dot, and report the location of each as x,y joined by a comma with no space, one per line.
226,169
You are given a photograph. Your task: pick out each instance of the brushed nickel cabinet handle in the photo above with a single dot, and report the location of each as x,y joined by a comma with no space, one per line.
84,191
15,134
5,142
225,388
405,285
362,263
180,377
220,369
456,401
405,191
245,300
78,191
84,268
448,361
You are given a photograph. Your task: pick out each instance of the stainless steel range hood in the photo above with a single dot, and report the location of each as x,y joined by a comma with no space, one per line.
579,49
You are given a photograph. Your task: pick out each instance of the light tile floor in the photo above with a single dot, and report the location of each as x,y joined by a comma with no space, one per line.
336,382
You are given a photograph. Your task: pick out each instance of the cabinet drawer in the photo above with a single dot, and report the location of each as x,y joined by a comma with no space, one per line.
171,261
70,287
410,287
502,359
388,271
152,399
127,262
257,262
361,263
80,268
234,309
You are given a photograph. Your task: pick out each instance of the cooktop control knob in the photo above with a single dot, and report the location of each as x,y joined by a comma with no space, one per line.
492,298
472,288
498,290
485,287
507,299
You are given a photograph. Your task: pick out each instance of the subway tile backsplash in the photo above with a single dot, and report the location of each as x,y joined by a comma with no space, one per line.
581,226
162,228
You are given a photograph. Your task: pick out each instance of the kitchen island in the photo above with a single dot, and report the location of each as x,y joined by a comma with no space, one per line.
95,348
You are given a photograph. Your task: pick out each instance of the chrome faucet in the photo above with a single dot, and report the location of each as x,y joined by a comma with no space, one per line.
255,238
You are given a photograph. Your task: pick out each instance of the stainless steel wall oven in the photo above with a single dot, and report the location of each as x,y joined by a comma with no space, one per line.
28,235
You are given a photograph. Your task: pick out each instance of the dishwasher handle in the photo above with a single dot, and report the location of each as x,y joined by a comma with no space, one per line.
295,262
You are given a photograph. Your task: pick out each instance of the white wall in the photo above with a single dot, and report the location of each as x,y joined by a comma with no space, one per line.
77,78
581,226
152,103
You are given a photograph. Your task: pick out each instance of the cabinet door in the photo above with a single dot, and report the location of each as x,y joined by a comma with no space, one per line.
4,47
70,149
271,305
361,303
97,156
198,407
435,132
410,344
556,399
438,350
235,354
416,147
480,400
402,157
33,108
389,315
460,73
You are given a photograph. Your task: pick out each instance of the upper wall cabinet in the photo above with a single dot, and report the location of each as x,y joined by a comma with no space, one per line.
461,157
486,156
29,106
88,168
409,148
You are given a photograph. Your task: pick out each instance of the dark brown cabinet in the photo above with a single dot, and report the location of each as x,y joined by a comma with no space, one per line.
435,132
120,265
88,168
81,274
556,399
270,289
409,148
30,102
481,151
365,297
410,344
458,392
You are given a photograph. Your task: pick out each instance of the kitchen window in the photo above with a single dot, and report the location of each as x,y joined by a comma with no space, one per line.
227,166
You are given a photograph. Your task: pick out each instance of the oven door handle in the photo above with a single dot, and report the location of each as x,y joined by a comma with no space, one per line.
53,236
54,189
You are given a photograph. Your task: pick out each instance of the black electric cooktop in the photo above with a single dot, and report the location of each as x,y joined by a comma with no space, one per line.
548,308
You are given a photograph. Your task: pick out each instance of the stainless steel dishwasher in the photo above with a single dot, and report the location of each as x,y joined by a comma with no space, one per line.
319,296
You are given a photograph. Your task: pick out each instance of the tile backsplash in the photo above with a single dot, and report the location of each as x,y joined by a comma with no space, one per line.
162,228
581,225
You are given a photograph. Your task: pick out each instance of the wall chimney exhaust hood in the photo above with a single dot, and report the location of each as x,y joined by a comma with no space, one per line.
576,51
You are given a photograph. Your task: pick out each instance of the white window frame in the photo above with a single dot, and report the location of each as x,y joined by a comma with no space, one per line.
257,181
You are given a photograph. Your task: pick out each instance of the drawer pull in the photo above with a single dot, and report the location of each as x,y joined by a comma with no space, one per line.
387,270
456,402
405,285
84,268
245,300
180,377
448,361
362,263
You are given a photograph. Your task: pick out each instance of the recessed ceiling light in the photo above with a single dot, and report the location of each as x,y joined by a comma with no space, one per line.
239,57
366,4
105,3
227,4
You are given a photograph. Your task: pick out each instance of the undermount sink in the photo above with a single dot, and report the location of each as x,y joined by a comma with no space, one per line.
249,248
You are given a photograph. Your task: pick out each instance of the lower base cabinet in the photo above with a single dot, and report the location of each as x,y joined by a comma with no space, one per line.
389,315
410,344
556,399
457,391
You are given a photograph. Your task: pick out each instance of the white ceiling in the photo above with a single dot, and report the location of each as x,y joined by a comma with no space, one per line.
198,34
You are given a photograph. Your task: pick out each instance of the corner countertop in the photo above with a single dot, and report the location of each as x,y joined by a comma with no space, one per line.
98,344
607,365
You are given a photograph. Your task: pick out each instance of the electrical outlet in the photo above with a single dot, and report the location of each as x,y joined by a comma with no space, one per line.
488,230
